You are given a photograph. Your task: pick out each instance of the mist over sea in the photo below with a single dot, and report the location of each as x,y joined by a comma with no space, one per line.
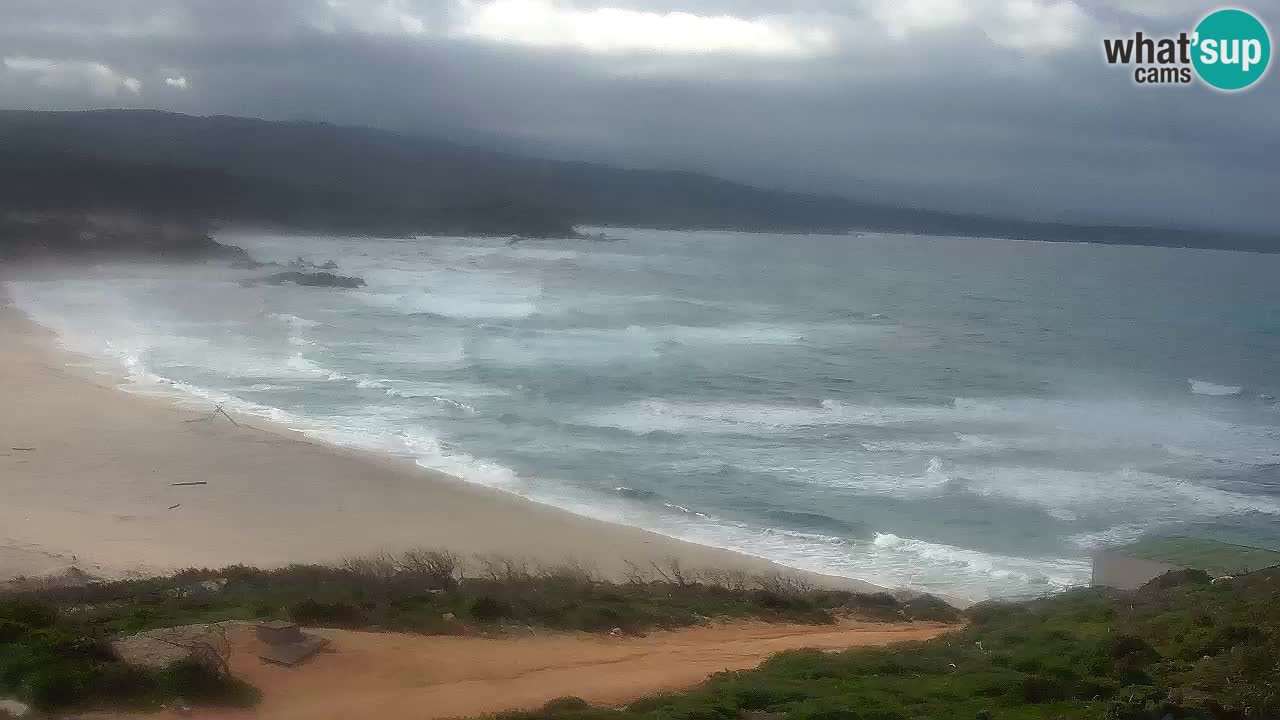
956,415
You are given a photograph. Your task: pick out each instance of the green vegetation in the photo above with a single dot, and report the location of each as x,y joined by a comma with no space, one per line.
433,592
53,661
53,640
1180,648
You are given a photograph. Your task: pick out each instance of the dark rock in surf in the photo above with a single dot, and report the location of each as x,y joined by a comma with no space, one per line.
305,279
251,264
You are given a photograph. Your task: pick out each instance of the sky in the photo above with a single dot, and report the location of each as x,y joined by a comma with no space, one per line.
995,106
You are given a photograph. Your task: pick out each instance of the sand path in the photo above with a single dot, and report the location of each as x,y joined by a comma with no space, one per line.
392,676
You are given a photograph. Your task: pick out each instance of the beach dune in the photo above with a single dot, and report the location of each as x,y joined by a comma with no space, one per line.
92,477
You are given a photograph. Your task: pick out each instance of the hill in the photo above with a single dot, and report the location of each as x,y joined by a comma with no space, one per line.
321,176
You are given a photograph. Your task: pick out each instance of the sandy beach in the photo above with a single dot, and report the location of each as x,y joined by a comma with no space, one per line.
89,473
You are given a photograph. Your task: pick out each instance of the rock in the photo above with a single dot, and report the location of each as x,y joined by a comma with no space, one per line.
97,236
250,264
448,617
278,633
216,585
301,263
15,709
616,632
160,649
306,279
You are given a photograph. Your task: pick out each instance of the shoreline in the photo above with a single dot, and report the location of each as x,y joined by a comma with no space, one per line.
97,491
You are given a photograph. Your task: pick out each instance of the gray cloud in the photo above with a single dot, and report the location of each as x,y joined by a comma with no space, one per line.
992,105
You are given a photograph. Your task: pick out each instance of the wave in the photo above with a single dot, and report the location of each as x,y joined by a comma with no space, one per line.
265,387
852,550
294,320
1143,497
656,499
1116,535
531,348
683,417
455,296
677,416
426,395
635,494
1026,574
1204,387
732,334
818,521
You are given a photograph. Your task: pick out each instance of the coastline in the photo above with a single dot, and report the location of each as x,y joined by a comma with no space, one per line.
97,490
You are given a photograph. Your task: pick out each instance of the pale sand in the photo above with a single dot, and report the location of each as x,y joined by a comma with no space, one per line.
390,676
95,490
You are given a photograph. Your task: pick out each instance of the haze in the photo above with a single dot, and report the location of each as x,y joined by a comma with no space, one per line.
991,106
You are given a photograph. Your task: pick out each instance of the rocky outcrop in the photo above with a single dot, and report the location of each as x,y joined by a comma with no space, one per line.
301,263
307,279
95,237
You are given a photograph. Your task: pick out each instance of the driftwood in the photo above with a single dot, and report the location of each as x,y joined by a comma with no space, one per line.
189,484
23,449
175,507
217,410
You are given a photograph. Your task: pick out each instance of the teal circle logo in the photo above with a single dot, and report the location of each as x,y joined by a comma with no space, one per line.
1232,49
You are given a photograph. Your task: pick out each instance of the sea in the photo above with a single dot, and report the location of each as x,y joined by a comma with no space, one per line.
963,416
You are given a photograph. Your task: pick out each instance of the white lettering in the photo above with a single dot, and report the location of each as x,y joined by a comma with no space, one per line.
1252,54
1230,51
1209,51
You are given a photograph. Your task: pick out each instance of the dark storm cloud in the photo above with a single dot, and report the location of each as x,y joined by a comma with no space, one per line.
993,105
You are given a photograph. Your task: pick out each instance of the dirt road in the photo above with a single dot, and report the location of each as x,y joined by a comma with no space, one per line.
391,676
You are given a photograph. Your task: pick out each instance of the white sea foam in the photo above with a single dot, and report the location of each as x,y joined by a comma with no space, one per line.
294,320
1204,387
509,351
470,295
1117,535
265,387
918,557
671,416
1069,495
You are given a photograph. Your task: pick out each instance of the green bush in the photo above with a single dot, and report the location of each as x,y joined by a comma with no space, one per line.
488,609
565,704
326,614
54,663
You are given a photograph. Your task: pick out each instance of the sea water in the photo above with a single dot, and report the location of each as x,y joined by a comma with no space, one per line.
967,416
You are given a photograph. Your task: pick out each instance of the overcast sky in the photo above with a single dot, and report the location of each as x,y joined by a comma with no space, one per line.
991,105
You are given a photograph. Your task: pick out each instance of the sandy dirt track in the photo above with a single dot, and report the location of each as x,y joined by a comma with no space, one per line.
403,677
